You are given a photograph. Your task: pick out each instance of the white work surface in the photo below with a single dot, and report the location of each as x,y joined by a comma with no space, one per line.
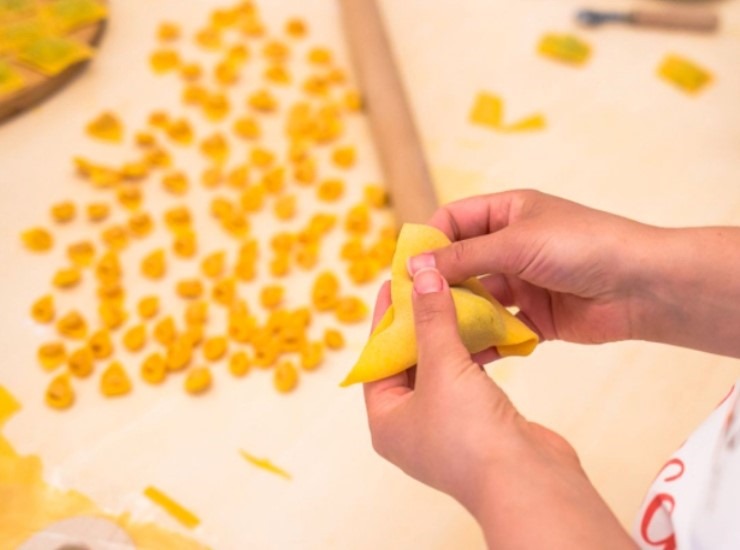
618,138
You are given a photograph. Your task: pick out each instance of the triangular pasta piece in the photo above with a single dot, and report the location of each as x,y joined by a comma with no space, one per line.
106,127
482,321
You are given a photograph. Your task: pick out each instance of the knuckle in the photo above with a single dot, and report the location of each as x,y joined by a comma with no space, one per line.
445,217
530,194
454,261
378,443
530,201
459,252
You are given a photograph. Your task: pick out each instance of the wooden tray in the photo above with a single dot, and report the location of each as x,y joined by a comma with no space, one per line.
39,87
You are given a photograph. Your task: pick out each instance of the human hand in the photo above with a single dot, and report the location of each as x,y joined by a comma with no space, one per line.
571,270
447,424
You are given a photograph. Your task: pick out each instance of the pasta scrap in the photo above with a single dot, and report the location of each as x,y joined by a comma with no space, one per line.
488,111
265,464
567,48
172,507
684,74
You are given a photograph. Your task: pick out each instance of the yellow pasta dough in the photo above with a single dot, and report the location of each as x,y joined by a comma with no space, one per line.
482,321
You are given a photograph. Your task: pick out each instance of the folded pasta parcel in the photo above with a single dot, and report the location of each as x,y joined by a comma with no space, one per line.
482,321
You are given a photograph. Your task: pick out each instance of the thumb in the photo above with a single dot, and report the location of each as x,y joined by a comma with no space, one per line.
439,347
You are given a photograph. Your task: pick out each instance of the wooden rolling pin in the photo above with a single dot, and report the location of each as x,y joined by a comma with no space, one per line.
397,141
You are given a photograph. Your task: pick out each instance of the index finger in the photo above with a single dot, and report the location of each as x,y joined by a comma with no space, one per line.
476,216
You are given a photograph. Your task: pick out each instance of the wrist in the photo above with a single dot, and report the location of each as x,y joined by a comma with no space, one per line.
686,291
647,284
540,497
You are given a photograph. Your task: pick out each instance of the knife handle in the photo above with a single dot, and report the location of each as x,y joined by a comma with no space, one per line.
679,20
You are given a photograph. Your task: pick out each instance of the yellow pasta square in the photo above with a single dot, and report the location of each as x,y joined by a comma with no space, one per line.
16,9
14,34
684,74
10,79
68,15
564,47
487,110
52,55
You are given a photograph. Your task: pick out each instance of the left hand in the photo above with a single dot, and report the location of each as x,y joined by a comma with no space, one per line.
447,424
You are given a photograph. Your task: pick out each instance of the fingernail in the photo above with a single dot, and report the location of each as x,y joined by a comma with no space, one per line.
428,280
415,263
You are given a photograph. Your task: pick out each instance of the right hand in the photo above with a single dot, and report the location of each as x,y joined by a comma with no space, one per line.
571,270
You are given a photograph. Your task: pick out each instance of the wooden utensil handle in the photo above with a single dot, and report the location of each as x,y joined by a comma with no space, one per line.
698,21
396,138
